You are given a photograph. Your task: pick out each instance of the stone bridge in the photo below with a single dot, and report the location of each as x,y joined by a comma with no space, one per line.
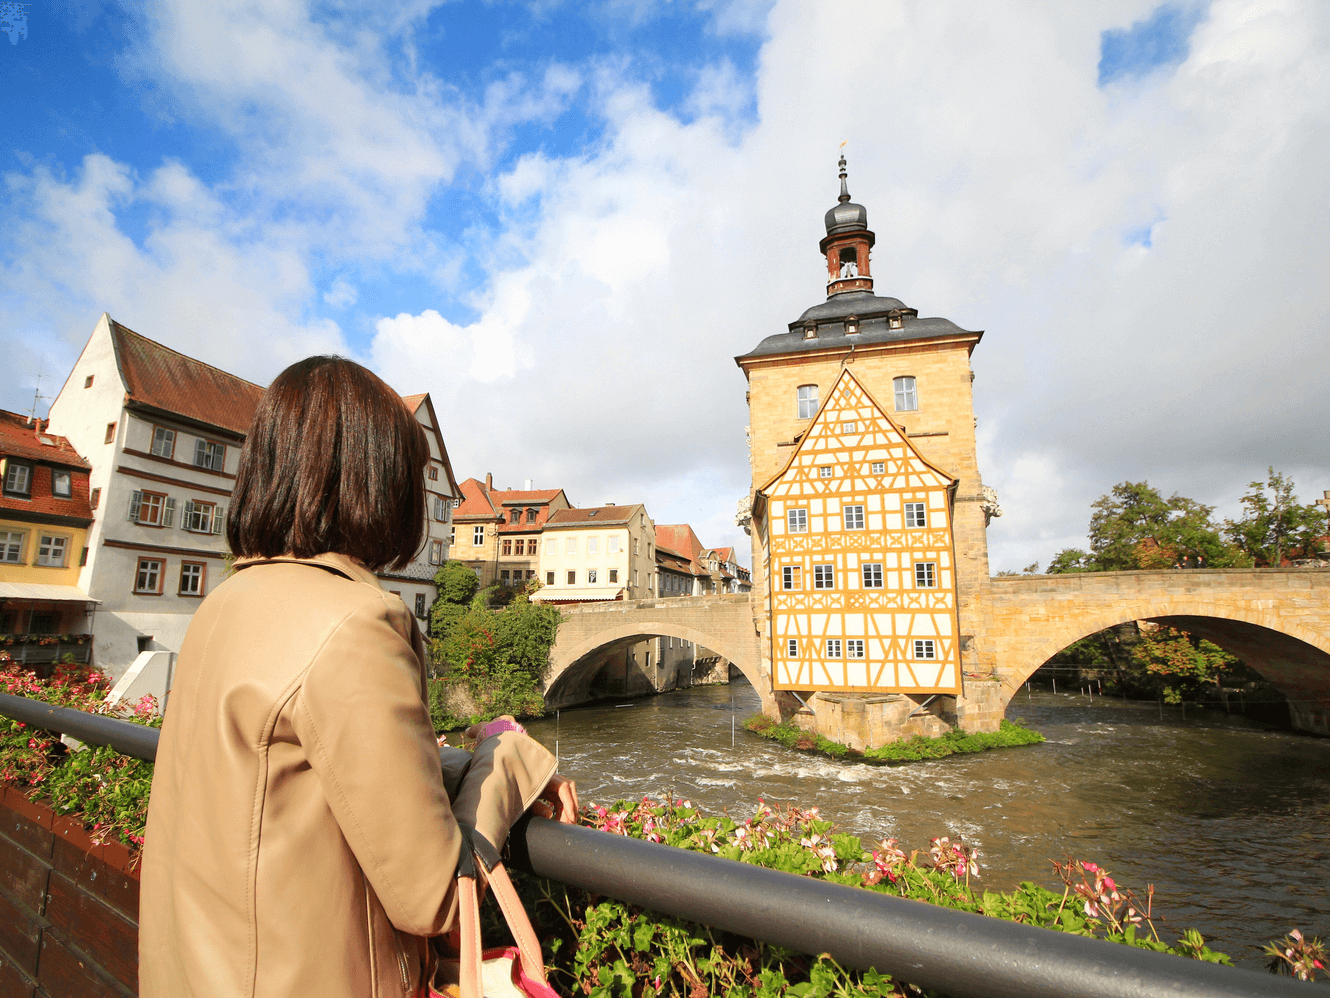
723,624
1277,620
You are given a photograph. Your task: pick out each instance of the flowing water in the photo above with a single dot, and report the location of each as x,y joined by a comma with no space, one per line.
1229,819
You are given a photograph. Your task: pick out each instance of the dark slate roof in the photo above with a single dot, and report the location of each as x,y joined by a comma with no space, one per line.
872,313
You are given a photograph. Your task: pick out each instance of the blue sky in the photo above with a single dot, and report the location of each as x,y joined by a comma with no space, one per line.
565,219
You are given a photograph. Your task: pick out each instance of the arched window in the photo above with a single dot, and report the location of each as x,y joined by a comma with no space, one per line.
808,401
907,398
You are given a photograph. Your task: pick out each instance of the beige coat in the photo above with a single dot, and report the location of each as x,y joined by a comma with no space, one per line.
300,841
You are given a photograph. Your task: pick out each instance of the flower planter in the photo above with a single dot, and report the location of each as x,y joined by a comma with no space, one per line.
68,907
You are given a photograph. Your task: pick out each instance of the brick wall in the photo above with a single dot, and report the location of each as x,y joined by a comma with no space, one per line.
68,908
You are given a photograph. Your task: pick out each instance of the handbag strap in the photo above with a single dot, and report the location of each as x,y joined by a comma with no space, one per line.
477,847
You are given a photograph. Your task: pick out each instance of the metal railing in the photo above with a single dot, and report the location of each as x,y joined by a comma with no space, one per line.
960,954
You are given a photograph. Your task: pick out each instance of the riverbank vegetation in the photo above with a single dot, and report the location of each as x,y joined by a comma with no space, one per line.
489,650
916,749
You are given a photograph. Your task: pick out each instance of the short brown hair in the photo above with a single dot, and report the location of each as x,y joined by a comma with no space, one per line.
334,461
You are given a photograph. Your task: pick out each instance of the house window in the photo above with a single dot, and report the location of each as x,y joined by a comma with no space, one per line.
11,546
907,399
96,498
612,545
18,479
833,648
163,442
915,516
62,483
436,552
420,601
549,578
854,648
152,509
807,401
515,516
440,508
570,545
110,433
530,516
551,546
477,536
851,427
503,576
520,546
592,545
797,520
636,540
878,468
792,577
209,455
149,576
87,382
572,577
433,477
507,548
192,574
925,574
591,575
614,575
824,576
792,647
872,576
853,517
202,518
925,648
826,471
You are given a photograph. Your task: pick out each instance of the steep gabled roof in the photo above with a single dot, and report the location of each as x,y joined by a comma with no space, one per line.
413,403
475,504
165,379
19,439
679,537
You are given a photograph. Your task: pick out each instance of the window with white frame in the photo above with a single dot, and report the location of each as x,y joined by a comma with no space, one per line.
572,577
592,545
549,578
436,552
792,647
18,478
62,483
210,455
151,509
877,468
612,545
570,545
825,471
925,574
11,546
872,576
591,576
854,647
796,521
477,536
148,578
915,515
907,399
192,574
163,442
792,577
550,543
807,395
202,517
852,517
833,648
850,426
925,648
51,550
824,576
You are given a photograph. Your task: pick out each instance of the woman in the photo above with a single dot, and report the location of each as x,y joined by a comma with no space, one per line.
300,838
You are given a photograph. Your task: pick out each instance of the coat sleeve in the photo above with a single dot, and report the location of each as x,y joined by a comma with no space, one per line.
368,738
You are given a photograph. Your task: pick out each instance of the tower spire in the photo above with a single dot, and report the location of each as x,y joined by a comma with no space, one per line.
844,191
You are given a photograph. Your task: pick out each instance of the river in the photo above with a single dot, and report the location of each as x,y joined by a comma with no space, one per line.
1229,819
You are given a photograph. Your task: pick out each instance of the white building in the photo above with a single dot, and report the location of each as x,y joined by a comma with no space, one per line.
605,553
163,434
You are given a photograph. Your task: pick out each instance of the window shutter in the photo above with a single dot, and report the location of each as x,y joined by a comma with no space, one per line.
188,515
218,519
168,512
135,501
200,454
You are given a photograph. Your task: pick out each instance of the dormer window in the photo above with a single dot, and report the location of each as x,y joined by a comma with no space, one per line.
851,325
61,484
530,516
515,516
810,330
894,320
18,479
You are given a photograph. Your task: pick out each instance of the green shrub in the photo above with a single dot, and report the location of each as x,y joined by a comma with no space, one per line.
1009,734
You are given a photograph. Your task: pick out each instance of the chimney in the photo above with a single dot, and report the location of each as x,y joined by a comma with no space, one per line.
527,485
489,481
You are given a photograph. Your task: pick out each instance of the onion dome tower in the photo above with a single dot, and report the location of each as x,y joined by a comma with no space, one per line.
847,243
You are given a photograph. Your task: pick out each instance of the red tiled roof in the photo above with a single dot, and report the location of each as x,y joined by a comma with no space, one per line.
725,554
595,516
163,378
514,497
474,501
679,537
18,439
40,501
413,401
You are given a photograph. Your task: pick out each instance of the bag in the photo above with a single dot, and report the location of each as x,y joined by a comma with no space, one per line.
506,971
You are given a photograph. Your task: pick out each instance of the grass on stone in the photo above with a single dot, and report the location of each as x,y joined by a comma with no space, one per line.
916,749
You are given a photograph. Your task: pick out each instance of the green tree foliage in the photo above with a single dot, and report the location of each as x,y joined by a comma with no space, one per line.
1134,527
1070,560
1183,667
457,587
1274,524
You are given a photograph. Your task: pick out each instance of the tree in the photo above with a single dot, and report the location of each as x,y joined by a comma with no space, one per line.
1134,527
457,587
1070,560
1274,523
1180,666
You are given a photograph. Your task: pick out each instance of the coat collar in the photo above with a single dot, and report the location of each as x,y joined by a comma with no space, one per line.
339,563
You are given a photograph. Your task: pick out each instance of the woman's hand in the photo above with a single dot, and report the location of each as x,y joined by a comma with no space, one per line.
558,800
